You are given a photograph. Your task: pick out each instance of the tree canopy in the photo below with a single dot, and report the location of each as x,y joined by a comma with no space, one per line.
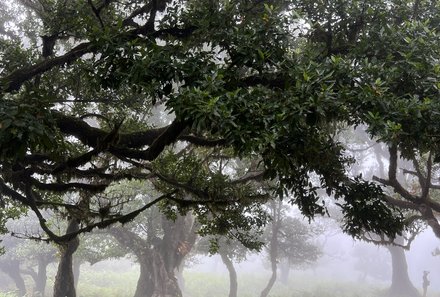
267,81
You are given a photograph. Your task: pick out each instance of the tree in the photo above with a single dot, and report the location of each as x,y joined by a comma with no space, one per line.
250,78
297,248
26,258
230,252
401,284
49,135
391,54
371,262
160,245
10,265
288,239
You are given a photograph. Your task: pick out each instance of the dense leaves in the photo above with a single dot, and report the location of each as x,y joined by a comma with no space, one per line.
82,101
366,210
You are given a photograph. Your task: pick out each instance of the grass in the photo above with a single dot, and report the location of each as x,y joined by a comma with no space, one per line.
121,282
212,285
94,283
8,294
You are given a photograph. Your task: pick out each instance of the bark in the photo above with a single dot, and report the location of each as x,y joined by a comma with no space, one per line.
12,269
165,282
233,284
159,259
145,285
401,285
154,279
64,281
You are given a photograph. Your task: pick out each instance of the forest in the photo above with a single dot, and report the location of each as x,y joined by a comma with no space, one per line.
170,148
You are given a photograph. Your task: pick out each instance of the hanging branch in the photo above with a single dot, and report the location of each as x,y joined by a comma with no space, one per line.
123,219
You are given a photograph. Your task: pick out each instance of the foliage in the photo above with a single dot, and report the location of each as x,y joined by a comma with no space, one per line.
267,80
296,244
99,247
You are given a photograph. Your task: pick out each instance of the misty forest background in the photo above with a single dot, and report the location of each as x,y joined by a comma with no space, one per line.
189,148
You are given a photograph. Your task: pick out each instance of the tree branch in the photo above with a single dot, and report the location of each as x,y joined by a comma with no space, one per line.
427,184
398,189
14,80
419,173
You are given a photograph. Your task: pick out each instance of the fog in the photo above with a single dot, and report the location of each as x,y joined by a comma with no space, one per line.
150,256
346,267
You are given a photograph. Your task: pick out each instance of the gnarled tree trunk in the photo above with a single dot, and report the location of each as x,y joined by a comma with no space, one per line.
64,281
154,279
145,285
401,285
159,258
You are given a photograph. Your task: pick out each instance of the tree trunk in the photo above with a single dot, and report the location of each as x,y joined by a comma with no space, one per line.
272,279
76,271
12,269
284,271
64,281
41,279
145,285
401,285
165,282
233,284
273,247
154,279
159,259
180,278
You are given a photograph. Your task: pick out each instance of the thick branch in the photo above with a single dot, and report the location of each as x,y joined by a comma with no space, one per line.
4,189
397,187
392,177
401,203
419,173
90,136
14,80
392,169
167,137
427,184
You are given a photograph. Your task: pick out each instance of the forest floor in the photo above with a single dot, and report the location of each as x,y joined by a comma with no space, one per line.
121,282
